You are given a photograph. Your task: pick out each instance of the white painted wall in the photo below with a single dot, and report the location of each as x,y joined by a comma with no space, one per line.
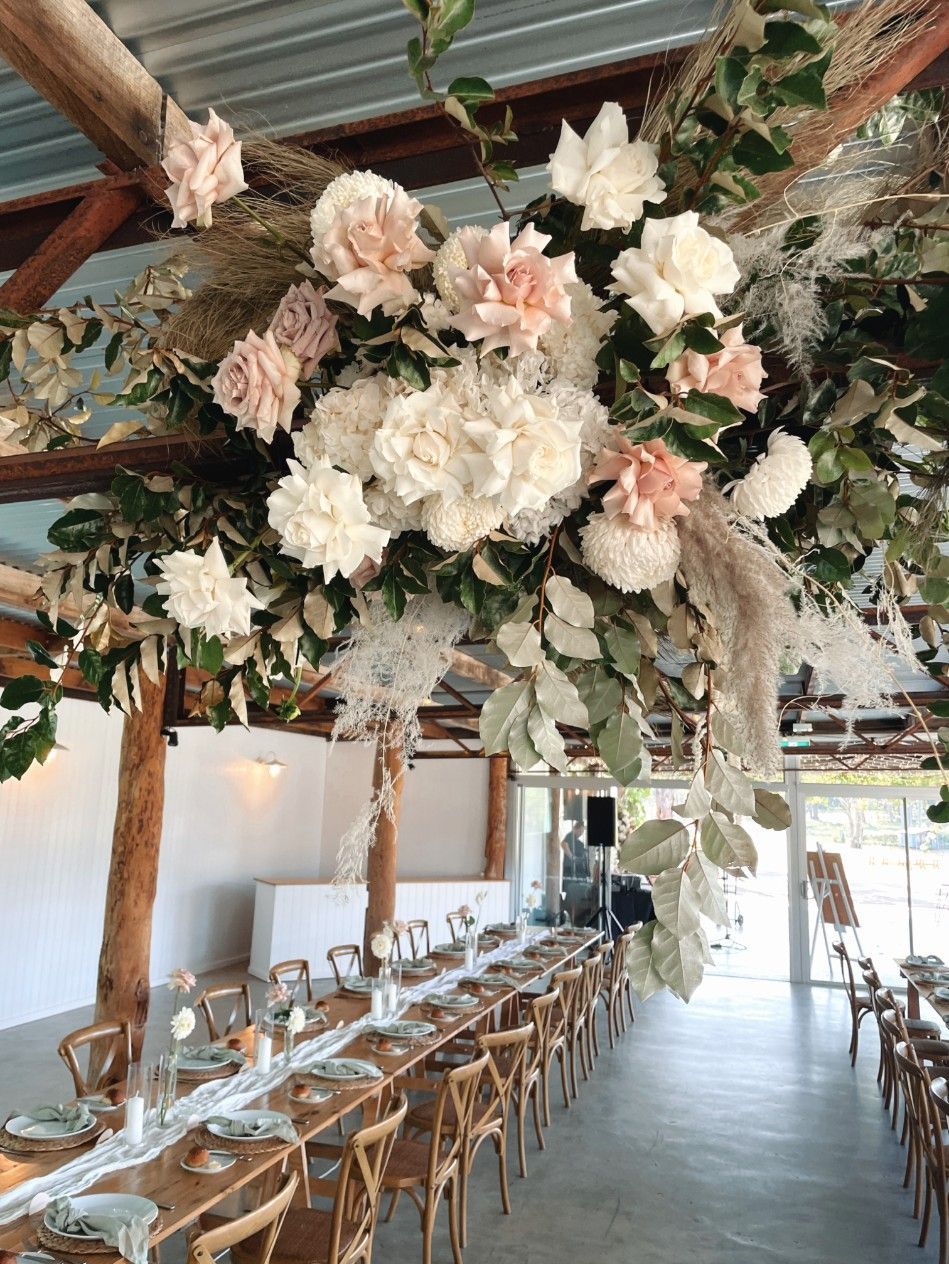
226,821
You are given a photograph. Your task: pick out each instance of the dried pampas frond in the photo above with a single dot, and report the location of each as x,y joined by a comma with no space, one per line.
242,271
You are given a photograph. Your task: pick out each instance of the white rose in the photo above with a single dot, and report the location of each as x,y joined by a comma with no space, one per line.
419,448
381,944
323,520
525,451
675,272
182,1024
605,172
201,593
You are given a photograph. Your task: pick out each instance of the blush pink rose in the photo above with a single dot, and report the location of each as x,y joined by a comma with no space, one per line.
256,382
203,170
370,248
735,372
364,572
306,325
650,483
511,292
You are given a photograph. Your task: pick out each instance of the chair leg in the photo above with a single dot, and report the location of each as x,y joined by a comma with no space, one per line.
927,1212
428,1229
545,1084
610,1022
452,1223
464,1174
521,1131
621,1014
396,1195
628,996
501,1143
541,1143
562,1055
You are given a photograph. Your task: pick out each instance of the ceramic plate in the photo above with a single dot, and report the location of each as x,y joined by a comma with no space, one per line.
24,1126
503,928
312,1016
246,1117
915,960
205,1064
520,963
344,1069
356,983
121,1206
545,950
404,1028
941,994
220,1161
98,1102
417,965
451,1000
452,948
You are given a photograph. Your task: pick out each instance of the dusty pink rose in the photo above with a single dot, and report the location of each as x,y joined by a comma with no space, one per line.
203,170
256,382
181,980
464,910
650,483
306,325
366,570
511,292
736,372
370,248
278,994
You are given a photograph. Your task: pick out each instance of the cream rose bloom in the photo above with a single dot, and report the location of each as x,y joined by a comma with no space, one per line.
605,172
369,248
305,325
256,382
524,452
736,372
510,292
420,447
675,272
323,521
203,170
201,593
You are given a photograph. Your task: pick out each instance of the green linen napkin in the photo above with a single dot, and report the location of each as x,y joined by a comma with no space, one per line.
342,1068
257,1128
212,1054
129,1237
74,1118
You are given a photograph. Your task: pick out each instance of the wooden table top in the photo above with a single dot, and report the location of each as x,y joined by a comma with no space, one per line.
926,989
163,1179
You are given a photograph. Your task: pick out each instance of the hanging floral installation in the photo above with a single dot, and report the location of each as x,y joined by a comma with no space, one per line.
643,436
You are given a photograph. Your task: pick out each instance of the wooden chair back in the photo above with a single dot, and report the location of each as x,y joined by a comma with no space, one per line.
939,1119
456,924
459,1088
359,1184
846,969
570,984
507,1052
110,1051
342,958
239,1014
265,1220
547,1020
419,941
592,979
292,974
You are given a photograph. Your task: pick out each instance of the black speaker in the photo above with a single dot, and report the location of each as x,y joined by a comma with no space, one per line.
601,821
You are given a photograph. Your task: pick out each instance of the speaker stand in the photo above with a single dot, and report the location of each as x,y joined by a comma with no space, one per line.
604,919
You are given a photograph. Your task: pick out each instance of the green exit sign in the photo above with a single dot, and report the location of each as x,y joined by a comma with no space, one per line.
794,742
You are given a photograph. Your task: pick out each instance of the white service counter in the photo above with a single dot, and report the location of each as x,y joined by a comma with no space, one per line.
305,917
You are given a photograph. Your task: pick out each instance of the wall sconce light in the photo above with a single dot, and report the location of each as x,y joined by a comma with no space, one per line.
270,761
54,751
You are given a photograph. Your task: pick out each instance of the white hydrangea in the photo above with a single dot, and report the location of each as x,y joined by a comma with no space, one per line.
387,509
626,557
457,525
343,423
451,256
435,313
322,519
777,478
572,349
419,448
342,192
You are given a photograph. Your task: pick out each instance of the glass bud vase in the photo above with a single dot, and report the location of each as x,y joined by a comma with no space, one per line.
471,949
289,1037
167,1086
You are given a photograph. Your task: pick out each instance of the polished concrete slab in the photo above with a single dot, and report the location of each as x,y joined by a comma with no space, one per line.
728,1131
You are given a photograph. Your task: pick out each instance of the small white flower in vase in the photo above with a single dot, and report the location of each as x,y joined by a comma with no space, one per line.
296,1021
182,1025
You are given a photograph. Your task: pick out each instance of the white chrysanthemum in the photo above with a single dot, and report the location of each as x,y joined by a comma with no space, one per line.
626,557
451,256
342,192
182,1024
296,1020
388,510
460,524
775,481
323,520
572,349
343,423
201,593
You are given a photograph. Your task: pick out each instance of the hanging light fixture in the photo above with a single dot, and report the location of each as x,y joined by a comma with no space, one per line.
270,761
54,751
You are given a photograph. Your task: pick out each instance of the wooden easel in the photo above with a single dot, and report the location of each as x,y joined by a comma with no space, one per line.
829,886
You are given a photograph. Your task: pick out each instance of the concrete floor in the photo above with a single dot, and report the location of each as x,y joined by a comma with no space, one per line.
728,1131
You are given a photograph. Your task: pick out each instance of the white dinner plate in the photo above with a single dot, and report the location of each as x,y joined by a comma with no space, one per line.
932,960
246,1117
99,1102
417,965
451,1000
356,983
220,1161
24,1126
206,1064
450,948
941,994
121,1206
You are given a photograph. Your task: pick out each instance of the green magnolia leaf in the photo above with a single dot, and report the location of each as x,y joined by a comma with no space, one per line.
729,786
471,89
679,962
771,810
727,844
546,737
520,744
602,694
570,641
79,530
22,690
654,847
622,645
675,903
784,39
40,654
760,155
567,601
520,643
715,408
620,746
697,802
707,885
558,696
499,713
643,974
801,87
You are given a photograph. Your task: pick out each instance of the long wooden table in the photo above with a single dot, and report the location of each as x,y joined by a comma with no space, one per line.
162,1179
917,989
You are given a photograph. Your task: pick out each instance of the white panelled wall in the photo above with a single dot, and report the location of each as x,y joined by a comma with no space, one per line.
227,820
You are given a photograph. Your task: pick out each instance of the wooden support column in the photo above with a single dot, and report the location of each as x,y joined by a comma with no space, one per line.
554,866
123,988
381,866
495,842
